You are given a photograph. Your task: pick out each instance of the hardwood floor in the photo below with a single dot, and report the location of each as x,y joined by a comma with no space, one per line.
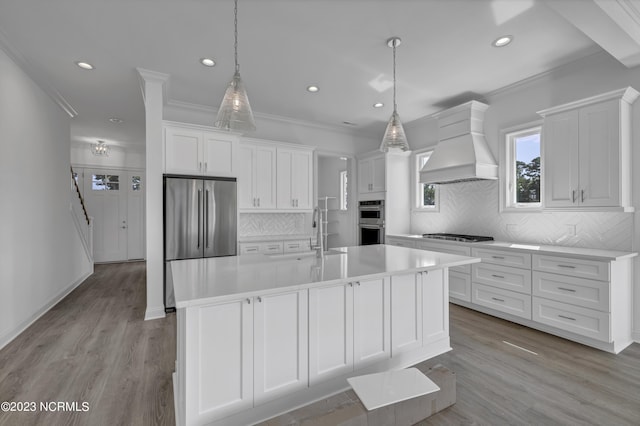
95,347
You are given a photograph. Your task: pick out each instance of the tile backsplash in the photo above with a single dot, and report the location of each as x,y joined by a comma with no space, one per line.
266,224
473,207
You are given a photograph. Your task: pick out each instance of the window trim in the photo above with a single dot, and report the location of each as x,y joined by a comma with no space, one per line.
416,206
344,190
507,167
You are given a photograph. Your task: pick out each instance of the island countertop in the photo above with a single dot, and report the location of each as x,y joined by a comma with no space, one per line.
200,281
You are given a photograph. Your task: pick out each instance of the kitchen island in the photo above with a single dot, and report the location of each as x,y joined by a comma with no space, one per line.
259,335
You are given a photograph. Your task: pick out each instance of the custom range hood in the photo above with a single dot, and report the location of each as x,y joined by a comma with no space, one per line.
462,153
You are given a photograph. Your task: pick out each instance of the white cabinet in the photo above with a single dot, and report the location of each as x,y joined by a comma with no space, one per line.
197,150
459,276
294,179
257,177
587,152
371,174
406,313
296,246
399,242
280,336
270,247
435,314
330,331
371,325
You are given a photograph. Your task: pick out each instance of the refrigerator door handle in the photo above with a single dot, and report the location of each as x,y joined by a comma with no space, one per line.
206,219
199,213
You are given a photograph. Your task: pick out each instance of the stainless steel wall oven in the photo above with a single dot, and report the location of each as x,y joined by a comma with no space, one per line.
371,222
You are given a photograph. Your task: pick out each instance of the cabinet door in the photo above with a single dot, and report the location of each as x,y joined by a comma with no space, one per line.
600,155
219,155
330,331
221,351
246,178
284,179
560,135
371,321
435,306
378,174
406,313
364,176
265,177
182,150
280,345
302,180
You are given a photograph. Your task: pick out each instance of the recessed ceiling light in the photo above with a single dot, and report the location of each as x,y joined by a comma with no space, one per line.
378,105
85,65
207,62
502,41
312,89
116,120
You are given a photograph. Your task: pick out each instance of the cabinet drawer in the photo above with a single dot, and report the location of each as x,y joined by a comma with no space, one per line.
577,291
592,269
400,243
501,257
459,286
451,249
505,277
296,246
513,303
272,248
586,322
250,248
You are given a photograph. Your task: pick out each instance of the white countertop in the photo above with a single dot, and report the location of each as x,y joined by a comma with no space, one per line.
590,253
216,279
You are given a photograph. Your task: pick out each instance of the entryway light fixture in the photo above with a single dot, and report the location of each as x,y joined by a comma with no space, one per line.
100,149
394,137
235,111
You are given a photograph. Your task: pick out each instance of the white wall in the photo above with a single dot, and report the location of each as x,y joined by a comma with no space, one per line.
41,254
119,157
473,207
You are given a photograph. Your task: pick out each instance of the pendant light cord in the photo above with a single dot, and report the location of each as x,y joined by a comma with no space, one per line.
394,74
235,34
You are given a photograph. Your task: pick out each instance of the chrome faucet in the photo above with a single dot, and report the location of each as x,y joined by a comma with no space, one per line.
317,214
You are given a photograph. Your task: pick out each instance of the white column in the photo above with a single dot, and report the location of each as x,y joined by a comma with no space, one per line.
153,85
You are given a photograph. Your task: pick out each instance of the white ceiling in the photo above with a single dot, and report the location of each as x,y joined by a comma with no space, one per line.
446,56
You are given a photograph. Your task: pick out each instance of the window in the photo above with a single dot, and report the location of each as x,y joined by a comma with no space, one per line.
135,183
523,166
343,190
426,194
105,183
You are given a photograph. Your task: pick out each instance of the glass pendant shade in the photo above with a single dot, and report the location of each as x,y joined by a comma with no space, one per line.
235,111
394,137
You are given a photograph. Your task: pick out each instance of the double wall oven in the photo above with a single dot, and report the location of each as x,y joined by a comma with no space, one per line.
371,222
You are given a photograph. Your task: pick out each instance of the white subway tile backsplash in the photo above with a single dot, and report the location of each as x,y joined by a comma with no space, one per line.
473,207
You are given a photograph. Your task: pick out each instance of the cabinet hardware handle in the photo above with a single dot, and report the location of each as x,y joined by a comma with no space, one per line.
205,166
582,195
497,257
254,202
248,301
358,282
199,209
567,289
200,165
259,299
497,276
567,266
258,201
499,300
252,249
565,317
573,196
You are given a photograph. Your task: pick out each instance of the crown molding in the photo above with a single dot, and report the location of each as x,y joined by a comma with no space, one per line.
37,77
154,77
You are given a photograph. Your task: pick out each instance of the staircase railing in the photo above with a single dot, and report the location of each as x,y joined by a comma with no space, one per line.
81,217
84,208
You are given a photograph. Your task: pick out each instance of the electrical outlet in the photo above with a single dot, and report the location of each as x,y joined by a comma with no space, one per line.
571,230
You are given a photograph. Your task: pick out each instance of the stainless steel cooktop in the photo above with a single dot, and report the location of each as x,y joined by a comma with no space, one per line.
458,237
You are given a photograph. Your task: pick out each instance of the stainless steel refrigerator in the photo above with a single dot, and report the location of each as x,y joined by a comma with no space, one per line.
200,220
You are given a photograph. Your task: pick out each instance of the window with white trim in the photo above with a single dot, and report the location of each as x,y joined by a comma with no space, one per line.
426,195
343,190
523,168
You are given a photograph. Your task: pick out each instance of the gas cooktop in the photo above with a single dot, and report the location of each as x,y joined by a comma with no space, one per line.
458,237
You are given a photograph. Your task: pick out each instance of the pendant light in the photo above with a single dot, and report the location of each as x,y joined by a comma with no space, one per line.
235,111
394,137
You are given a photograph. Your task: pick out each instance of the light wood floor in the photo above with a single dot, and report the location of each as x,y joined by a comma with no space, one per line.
95,347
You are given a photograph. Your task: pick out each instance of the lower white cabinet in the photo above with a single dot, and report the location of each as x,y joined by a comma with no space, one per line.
507,301
349,327
575,319
459,286
435,315
275,247
406,313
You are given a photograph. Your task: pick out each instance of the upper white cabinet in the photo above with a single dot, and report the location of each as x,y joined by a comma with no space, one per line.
274,176
257,177
587,152
371,174
295,179
199,150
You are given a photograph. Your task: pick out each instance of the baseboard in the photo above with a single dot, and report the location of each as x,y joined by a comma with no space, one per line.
12,334
154,312
636,336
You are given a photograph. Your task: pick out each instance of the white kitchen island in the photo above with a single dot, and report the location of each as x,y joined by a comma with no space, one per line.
259,335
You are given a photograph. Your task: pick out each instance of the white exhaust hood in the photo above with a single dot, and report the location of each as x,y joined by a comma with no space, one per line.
462,153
